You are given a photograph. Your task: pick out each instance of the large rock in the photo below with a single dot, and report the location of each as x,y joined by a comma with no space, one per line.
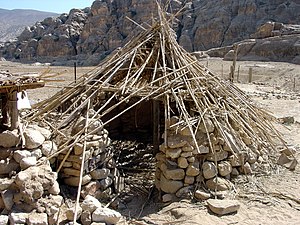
170,186
20,154
219,184
18,218
209,170
174,174
3,219
49,148
33,138
33,183
90,204
27,162
9,138
223,207
37,219
106,215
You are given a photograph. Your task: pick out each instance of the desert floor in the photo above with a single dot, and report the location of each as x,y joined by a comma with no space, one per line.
269,199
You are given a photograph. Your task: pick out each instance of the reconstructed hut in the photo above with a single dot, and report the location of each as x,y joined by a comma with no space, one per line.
203,129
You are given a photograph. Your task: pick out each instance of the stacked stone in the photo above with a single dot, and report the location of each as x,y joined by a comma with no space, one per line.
180,166
25,187
99,167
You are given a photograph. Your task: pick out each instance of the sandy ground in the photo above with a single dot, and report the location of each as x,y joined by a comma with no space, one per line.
272,199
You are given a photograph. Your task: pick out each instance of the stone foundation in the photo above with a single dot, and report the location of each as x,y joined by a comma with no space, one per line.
181,167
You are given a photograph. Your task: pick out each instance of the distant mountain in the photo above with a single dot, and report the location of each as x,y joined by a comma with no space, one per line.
13,22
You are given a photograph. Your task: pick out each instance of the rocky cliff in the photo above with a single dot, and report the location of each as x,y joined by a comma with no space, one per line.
12,22
90,34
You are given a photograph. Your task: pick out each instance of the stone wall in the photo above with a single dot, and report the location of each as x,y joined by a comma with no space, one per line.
181,169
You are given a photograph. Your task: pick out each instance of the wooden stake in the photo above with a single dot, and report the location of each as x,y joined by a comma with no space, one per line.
14,112
250,75
82,163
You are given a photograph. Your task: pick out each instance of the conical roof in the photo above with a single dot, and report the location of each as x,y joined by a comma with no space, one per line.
154,66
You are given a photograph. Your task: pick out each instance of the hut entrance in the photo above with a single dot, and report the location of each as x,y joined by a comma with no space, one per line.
136,134
137,124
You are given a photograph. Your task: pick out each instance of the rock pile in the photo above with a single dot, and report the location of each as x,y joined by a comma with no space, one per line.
29,192
99,169
180,166
91,211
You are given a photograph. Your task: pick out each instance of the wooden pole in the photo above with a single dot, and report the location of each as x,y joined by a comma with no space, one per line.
75,71
14,112
250,75
238,74
156,132
232,68
4,109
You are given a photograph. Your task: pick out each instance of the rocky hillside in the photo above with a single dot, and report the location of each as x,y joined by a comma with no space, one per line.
90,34
12,22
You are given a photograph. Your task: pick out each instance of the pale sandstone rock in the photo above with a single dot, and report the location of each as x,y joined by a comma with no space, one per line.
173,153
209,170
106,215
49,148
90,204
219,184
37,219
33,138
18,218
201,195
20,154
170,186
45,132
218,156
3,219
247,168
224,168
223,207
174,174
27,162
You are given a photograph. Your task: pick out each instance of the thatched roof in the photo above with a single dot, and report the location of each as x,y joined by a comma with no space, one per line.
154,66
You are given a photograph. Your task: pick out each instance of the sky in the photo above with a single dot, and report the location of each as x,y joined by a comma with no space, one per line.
56,6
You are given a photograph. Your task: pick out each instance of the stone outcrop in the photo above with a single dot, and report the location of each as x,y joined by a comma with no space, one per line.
271,42
90,34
